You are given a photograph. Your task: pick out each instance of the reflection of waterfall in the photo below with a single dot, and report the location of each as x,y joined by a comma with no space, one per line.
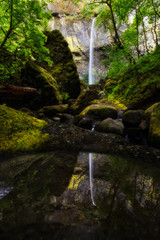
91,177
91,63
4,191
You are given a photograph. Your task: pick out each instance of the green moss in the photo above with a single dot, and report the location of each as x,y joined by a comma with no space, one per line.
152,115
45,77
48,89
19,131
133,88
64,69
111,102
99,111
84,99
109,85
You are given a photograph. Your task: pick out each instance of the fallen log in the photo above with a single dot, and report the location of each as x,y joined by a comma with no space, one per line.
17,90
16,96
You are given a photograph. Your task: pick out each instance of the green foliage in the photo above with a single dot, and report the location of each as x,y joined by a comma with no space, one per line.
128,90
130,43
149,62
152,115
85,78
65,96
21,35
19,131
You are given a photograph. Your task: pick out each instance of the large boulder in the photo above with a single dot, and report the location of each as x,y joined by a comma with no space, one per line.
110,125
99,112
119,106
152,115
133,118
64,69
47,87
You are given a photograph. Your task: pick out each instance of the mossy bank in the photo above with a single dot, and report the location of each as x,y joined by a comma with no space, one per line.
20,132
139,86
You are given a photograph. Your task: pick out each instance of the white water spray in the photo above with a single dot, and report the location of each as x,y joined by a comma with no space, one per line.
91,64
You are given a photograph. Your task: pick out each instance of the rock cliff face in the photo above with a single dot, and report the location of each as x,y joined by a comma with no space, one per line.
76,31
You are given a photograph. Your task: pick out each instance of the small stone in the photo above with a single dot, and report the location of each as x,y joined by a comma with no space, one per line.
56,119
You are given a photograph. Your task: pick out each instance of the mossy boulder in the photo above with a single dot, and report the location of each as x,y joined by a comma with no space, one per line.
110,125
64,69
111,102
152,115
37,77
99,112
84,99
20,132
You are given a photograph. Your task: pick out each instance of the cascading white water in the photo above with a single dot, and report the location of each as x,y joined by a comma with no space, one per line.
91,62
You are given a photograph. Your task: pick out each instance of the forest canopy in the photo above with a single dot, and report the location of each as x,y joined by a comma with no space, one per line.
21,36
133,27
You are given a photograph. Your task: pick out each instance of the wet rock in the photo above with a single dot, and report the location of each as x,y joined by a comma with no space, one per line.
53,110
110,125
83,100
152,115
99,112
56,119
66,118
85,123
132,118
73,138
111,102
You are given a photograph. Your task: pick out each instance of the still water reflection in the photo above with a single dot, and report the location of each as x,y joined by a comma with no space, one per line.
51,198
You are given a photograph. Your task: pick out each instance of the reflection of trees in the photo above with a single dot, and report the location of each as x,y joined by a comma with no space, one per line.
55,190
30,199
131,200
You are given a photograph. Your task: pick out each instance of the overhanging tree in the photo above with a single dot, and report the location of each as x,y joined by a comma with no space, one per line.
21,33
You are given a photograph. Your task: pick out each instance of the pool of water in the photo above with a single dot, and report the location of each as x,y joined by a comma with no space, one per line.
65,196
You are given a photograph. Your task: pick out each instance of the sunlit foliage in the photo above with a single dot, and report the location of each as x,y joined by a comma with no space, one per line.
21,36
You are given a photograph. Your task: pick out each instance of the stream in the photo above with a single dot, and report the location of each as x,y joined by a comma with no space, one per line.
48,196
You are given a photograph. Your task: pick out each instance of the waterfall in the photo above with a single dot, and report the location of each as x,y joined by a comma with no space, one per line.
91,63
91,178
